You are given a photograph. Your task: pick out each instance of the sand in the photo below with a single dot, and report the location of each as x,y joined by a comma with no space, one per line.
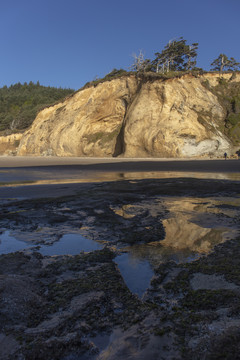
123,164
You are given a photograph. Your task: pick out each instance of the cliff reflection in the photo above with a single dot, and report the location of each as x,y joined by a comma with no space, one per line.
192,227
41,176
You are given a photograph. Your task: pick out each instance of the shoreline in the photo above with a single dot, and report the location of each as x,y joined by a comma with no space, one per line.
121,164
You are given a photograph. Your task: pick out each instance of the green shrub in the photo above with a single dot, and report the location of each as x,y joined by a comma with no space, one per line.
233,118
222,81
235,134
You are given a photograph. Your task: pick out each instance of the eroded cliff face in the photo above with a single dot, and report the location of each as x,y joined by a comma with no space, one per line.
9,144
134,118
86,124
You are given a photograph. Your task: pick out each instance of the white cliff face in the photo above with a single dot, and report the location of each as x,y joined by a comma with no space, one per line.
181,119
178,118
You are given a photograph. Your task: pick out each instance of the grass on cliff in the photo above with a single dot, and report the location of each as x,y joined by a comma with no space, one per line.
144,76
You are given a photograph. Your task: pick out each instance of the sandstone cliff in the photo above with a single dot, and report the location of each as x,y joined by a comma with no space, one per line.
180,117
9,144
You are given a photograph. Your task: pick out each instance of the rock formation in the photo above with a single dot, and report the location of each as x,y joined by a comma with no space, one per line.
9,143
132,117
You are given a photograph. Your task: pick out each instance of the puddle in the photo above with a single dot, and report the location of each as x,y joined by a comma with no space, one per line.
155,254
136,273
9,244
192,226
198,225
137,265
70,244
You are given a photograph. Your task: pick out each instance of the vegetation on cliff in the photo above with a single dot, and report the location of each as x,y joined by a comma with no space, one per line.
19,104
224,63
177,55
228,93
176,59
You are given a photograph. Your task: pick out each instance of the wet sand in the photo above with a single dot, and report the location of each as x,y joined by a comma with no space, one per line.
122,164
57,176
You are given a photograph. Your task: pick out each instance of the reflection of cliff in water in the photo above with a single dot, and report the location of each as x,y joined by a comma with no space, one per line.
46,175
192,226
199,224
183,234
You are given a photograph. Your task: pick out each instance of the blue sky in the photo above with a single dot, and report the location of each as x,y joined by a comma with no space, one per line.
66,43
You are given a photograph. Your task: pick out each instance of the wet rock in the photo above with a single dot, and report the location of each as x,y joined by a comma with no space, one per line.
51,307
54,307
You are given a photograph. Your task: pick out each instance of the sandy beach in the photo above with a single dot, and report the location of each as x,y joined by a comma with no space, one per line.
122,164
55,176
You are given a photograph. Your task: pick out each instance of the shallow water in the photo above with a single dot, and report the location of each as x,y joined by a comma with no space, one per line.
70,244
137,273
9,244
134,266
192,226
45,176
156,254
197,225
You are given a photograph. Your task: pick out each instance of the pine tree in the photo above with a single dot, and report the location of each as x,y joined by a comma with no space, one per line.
176,56
191,55
224,63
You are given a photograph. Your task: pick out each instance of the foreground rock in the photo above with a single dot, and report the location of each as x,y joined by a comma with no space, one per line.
79,307
54,307
132,117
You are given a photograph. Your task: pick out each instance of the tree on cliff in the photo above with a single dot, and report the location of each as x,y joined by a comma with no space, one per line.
139,64
224,63
176,56
191,56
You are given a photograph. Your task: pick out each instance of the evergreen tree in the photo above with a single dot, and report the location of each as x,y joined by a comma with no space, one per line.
224,63
191,56
176,56
19,104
